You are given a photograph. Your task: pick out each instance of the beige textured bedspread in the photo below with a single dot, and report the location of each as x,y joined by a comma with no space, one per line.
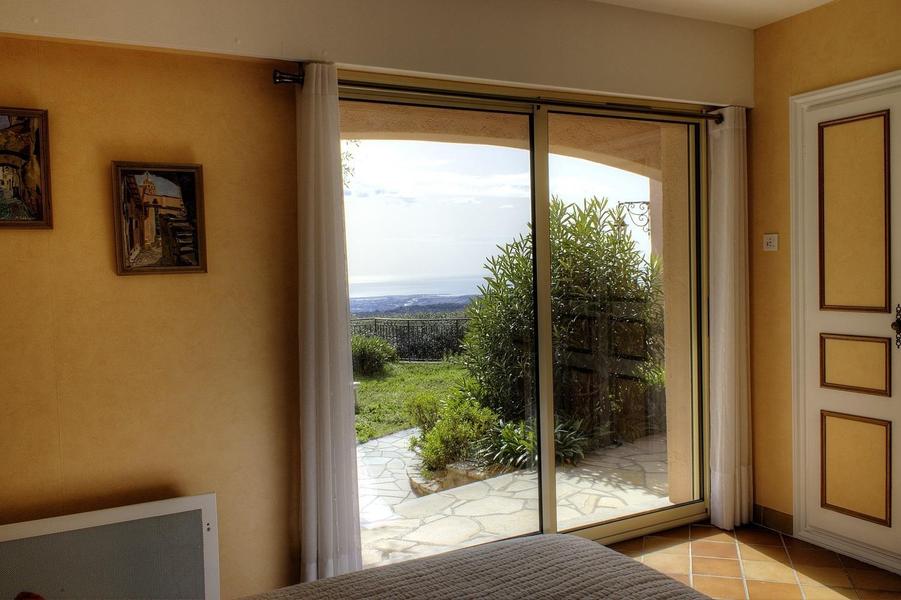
542,566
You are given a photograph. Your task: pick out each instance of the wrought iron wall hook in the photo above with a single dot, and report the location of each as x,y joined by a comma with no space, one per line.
639,214
896,325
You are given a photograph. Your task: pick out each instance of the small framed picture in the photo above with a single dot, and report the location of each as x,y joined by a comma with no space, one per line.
24,169
158,211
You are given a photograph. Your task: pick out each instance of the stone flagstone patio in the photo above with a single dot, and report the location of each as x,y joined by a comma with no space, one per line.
398,525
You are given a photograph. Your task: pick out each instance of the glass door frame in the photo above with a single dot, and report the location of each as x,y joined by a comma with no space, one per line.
640,523
637,524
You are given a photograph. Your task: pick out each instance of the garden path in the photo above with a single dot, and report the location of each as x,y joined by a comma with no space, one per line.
397,525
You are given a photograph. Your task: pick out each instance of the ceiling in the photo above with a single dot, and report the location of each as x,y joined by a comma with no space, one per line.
744,13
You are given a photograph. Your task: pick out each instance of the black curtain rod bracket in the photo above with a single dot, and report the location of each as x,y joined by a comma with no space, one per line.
283,77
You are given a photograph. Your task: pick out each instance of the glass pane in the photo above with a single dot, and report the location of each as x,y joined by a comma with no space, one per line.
622,314
438,205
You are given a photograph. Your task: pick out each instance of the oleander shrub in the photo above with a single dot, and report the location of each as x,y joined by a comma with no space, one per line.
607,339
371,355
600,280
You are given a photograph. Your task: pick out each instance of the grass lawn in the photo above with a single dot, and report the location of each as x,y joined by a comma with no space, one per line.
381,398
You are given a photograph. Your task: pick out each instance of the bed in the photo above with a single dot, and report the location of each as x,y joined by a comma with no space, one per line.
543,566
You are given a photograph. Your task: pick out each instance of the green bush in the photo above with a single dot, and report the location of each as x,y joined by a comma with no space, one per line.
461,422
510,445
498,346
383,399
365,431
423,409
570,442
516,444
652,374
600,280
371,355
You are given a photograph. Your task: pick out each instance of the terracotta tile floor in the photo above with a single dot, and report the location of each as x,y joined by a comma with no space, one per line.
758,564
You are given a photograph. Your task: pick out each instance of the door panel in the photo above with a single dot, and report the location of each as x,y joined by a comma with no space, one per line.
856,363
438,204
848,352
622,310
853,180
856,467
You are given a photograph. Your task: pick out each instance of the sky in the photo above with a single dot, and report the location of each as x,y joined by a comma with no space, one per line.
421,217
163,186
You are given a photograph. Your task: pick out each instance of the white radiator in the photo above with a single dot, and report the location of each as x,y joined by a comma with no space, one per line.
166,549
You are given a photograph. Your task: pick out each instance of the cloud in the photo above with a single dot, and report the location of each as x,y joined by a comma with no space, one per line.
443,208
443,172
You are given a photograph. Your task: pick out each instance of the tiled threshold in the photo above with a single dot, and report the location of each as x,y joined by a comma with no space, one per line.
758,564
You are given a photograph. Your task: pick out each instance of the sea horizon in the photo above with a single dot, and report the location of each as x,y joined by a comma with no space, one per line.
460,285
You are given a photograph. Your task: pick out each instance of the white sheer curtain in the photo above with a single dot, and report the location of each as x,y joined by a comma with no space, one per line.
731,495
330,532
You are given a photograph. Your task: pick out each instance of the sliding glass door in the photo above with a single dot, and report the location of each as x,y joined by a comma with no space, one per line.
621,243
524,289
438,203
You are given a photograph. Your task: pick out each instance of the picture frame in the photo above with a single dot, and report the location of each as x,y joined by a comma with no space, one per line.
158,213
25,169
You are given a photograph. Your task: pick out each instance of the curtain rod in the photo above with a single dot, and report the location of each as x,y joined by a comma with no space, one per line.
279,77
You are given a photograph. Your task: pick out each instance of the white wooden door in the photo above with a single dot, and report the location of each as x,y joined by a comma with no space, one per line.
847,372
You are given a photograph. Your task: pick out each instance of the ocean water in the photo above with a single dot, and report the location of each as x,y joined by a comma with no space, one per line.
463,285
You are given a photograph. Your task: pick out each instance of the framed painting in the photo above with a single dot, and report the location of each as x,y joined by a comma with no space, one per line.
24,169
159,225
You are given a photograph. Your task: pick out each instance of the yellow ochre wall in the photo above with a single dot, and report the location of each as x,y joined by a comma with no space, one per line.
836,43
115,390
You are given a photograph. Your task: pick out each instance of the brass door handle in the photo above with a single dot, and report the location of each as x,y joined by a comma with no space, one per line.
896,325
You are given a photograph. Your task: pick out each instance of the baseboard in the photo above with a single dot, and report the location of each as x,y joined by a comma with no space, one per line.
783,523
862,552
773,519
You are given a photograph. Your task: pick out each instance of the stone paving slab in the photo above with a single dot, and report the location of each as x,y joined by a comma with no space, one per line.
397,525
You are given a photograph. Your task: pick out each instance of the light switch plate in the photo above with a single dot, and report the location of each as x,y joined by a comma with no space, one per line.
770,242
